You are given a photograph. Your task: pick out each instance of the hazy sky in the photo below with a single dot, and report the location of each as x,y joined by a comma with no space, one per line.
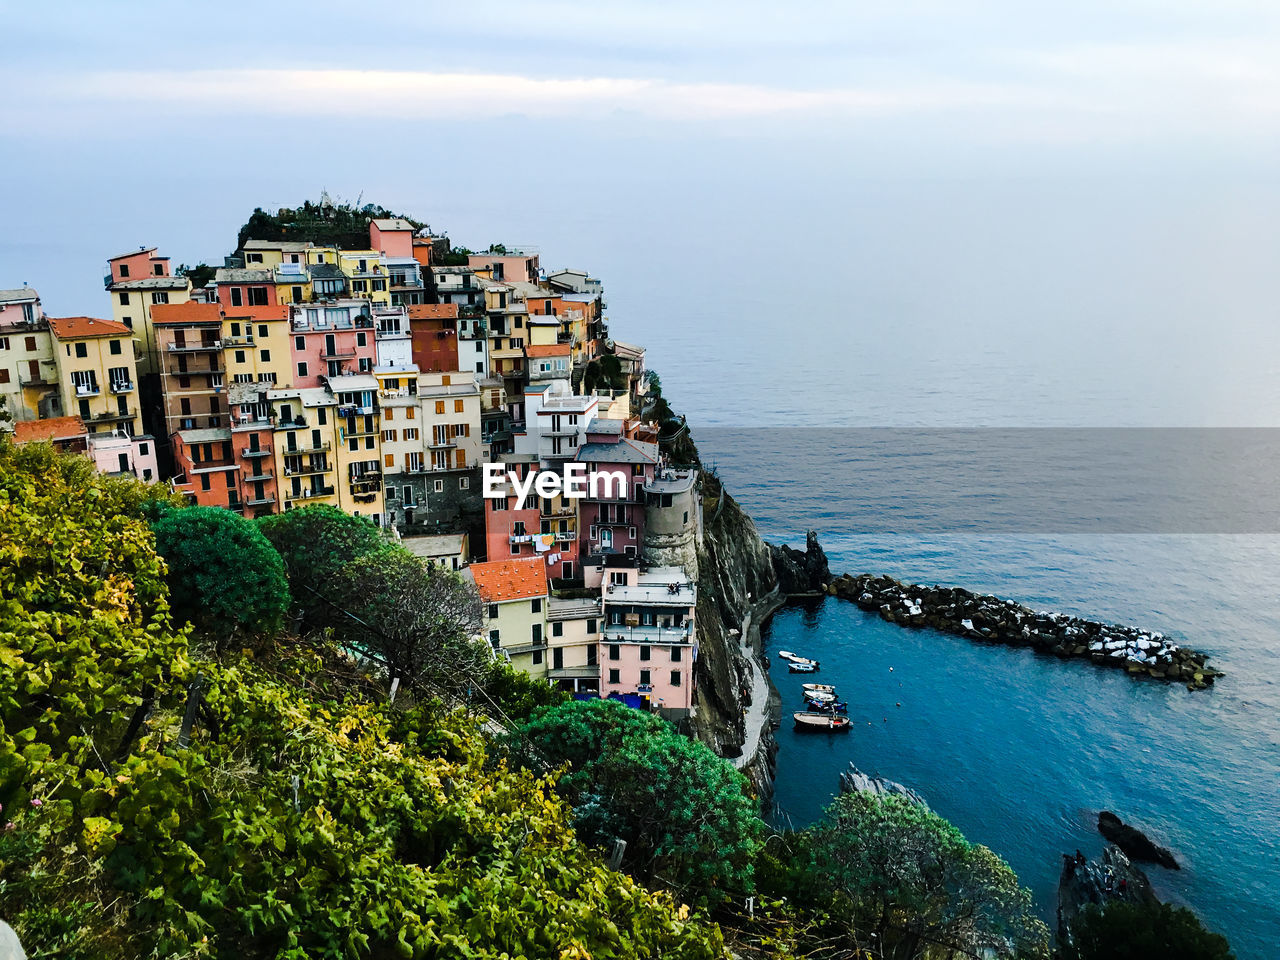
926,167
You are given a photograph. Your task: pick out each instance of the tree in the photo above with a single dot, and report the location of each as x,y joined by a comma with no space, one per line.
684,812
315,543
199,275
912,880
1130,931
224,576
417,618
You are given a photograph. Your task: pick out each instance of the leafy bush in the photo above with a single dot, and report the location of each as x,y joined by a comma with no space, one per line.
224,576
1130,931
684,812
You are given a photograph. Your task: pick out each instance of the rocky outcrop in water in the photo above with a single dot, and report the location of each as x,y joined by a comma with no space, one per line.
854,780
1111,877
990,619
801,571
1136,844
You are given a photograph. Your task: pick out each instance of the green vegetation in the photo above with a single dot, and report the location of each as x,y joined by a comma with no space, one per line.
224,576
1129,931
303,819
199,275
327,224
684,813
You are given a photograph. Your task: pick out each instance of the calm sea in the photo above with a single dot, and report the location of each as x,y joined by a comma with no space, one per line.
1021,751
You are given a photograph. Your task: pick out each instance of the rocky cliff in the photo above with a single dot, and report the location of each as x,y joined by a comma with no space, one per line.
737,590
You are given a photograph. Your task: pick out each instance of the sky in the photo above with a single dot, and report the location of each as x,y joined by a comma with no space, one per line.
912,160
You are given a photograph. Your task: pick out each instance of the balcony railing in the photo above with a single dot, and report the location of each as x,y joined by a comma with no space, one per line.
87,390
297,423
108,417
322,447
442,443
121,386
242,341
310,470
259,501
251,452
269,475
338,354
195,347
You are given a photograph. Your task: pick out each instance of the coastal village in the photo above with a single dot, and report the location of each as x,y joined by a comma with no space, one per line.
381,381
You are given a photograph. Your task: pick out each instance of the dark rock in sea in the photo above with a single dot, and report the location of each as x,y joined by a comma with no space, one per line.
854,780
987,619
1111,877
799,571
1133,841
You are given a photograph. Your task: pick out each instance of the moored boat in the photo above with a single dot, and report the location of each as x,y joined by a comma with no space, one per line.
818,688
828,706
820,695
796,658
820,722
802,667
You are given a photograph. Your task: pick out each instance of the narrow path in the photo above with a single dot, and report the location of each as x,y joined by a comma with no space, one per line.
757,713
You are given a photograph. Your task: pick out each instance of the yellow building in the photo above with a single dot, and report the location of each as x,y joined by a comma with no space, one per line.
367,275
256,346
97,373
514,595
28,371
573,638
450,420
357,445
304,430
138,281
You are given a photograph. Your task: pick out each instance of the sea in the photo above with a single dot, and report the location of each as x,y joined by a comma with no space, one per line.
1018,750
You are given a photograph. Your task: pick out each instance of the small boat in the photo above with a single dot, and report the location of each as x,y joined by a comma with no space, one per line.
821,722
796,658
828,706
818,688
802,667
819,695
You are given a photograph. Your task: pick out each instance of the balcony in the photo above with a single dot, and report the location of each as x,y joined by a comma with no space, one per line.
310,470
184,372
244,341
87,390
351,410
442,443
260,501
38,380
339,354
565,431
297,423
306,449
250,452
121,386
111,417
249,477
209,347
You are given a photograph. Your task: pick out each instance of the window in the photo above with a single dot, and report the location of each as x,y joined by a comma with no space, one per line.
537,657
237,298
464,483
296,294
115,347
646,653
204,481
493,639
362,339
591,626
557,658
262,330
439,406
124,270
4,375
439,486
675,678
536,633
411,433
389,460
300,343
266,355
128,322
302,369
143,449
388,413
388,436
159,296
82,349
408,413
258,296
536,604
557,629
124,294
493,611
615,652
457,406
239,356
644,678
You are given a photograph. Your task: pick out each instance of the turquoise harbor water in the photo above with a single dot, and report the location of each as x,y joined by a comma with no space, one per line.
1021,751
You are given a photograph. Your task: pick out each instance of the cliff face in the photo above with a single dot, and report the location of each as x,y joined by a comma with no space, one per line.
737,590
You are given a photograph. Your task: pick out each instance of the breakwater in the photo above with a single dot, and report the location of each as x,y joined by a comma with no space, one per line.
989,619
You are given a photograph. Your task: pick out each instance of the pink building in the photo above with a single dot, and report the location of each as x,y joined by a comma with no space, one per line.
331,340
508,532
511,265
238,287
391,237
648,644
614,525
138,266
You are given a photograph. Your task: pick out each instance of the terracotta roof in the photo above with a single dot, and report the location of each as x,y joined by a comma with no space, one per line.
190,312
510,579
77,328
547,350
432,311
271,311
55,428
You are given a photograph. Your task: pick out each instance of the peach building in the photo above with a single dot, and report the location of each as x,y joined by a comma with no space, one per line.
331,340
192,376
138,282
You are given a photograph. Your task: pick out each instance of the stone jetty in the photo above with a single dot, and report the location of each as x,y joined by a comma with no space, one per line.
984,618
854,780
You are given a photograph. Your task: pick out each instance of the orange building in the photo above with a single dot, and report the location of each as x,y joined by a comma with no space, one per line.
189,344
434,330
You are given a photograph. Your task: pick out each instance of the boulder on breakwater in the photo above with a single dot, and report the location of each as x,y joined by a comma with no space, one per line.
1136,844
985,618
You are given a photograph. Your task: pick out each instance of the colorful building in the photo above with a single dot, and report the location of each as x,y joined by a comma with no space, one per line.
97,373
28,370
614,524
648,644
573,641
514,595
136,283
332,340
434,329
188,338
